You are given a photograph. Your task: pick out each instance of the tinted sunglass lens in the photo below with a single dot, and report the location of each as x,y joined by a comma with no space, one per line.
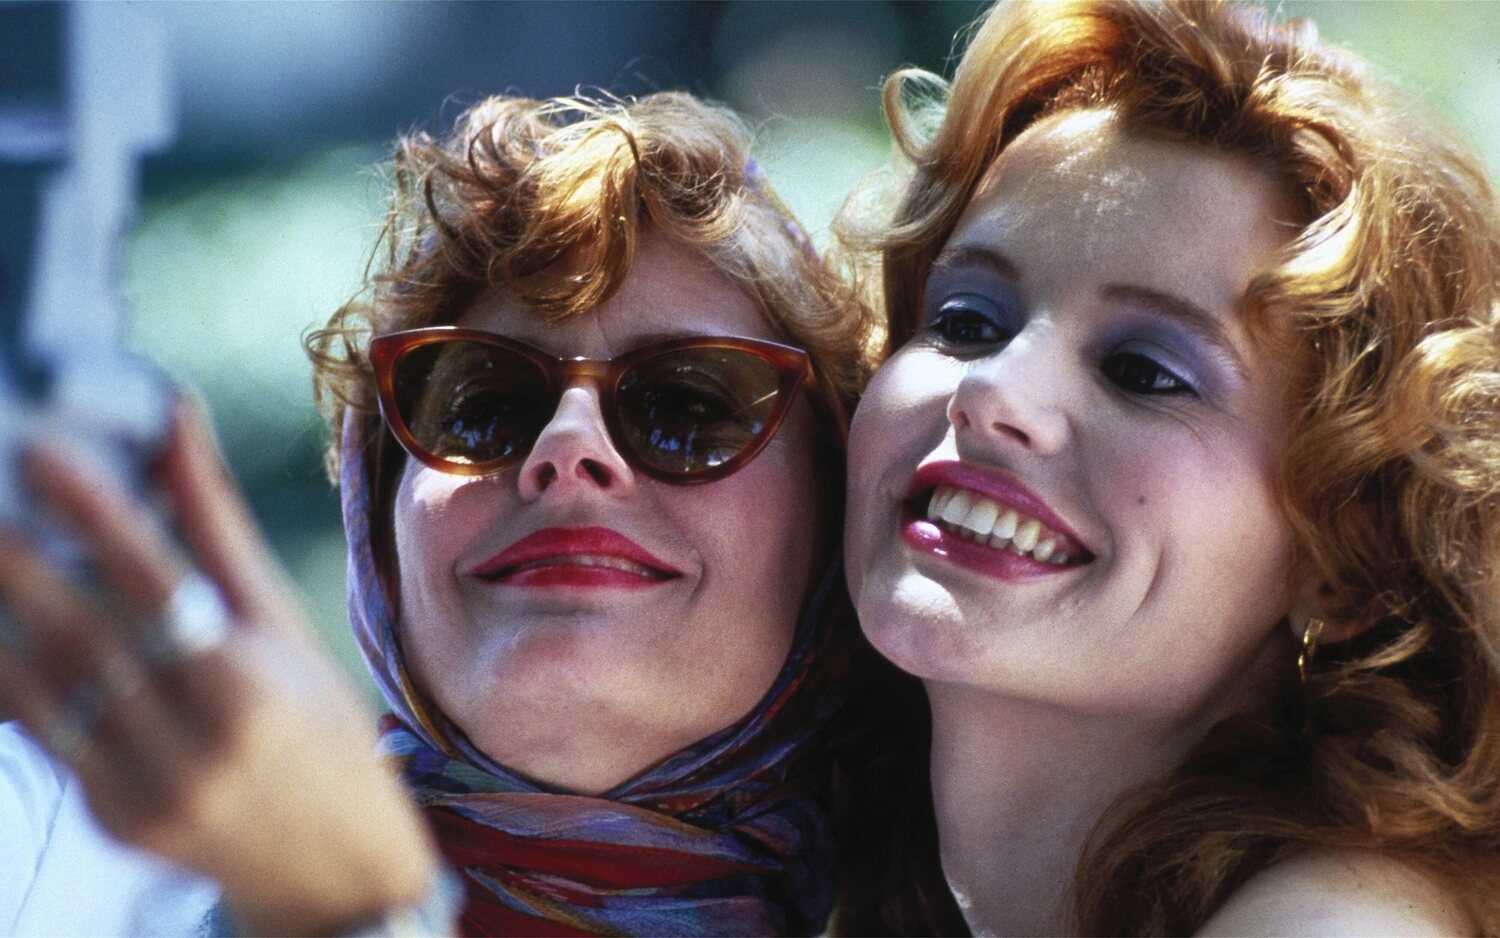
468,402
694,409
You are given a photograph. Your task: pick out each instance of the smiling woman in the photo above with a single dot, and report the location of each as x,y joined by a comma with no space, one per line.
588,430
577,619
1152,419
1180,489
595,578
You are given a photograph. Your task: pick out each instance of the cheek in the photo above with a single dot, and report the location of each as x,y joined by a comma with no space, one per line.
780,504
423,514
432,524
902,417
904,409
1203,511
758,535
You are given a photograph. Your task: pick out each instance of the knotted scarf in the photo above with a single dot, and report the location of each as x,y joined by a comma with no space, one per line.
728,836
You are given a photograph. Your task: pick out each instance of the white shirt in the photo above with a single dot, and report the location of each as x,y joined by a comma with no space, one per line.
61,874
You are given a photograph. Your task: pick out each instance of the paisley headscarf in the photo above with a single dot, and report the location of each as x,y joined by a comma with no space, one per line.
728,836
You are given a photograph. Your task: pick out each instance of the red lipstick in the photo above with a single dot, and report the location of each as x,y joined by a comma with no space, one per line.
576,558
933,539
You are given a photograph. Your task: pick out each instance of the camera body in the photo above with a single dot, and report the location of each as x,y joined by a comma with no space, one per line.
83,95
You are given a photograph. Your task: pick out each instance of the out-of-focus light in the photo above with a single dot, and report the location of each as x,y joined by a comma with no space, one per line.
222,284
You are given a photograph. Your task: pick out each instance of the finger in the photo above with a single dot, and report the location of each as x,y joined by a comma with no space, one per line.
39,709
214,520
65,645
61,715
56,625
23,693
126,760
134,556
82,691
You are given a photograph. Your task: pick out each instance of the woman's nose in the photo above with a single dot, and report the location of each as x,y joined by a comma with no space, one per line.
1014,397
574,450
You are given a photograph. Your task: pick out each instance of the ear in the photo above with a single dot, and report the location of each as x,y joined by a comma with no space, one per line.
1318,600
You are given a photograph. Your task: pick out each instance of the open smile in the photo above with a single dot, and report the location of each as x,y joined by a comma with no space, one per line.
987,523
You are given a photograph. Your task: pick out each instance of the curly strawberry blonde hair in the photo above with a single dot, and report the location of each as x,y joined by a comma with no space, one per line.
548,200
1391,480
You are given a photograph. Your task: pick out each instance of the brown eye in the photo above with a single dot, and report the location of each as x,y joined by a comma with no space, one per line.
1138,374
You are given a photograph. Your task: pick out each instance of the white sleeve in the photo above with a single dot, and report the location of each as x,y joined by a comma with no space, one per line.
61,874
30,791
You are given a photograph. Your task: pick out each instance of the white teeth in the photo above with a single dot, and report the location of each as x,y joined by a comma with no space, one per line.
1005,528
948,498
982,518
957,507
1027,534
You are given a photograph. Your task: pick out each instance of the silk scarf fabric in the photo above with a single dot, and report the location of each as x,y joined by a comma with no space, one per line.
727,837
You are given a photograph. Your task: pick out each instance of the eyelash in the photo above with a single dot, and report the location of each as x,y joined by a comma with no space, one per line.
1123,369
953,317
961,328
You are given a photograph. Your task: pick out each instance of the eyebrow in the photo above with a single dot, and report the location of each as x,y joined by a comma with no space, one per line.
1191,316
966,256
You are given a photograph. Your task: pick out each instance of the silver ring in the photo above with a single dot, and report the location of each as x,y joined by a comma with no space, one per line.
193,621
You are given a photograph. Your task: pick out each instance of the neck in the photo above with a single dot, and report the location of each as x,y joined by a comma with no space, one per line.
1018,787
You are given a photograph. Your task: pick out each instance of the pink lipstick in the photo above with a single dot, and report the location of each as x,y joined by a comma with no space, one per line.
575,558
987,522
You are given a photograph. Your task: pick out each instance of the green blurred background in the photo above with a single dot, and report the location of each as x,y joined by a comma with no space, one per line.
258,222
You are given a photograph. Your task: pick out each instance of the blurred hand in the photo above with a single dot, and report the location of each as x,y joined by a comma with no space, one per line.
252,761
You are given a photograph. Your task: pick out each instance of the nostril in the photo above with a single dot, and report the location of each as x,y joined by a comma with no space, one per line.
596,471
1014,433
545,473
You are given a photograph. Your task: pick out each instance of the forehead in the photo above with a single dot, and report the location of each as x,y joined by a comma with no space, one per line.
1081,188
670,290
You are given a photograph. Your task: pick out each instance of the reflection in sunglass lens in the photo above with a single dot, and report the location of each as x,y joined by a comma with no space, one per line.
468,402
693,409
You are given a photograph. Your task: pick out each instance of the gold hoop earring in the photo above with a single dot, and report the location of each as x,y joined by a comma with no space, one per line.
1309,647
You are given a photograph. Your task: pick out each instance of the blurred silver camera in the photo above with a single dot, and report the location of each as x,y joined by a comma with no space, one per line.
83,94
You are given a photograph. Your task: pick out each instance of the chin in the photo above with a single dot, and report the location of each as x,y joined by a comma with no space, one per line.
916,625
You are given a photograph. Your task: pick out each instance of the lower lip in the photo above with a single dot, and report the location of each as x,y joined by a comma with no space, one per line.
577,576
928,538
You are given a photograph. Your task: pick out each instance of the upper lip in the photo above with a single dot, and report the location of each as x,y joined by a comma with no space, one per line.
593,541
994,485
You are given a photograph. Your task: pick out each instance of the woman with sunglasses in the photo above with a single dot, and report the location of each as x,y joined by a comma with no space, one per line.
1181,488
589,426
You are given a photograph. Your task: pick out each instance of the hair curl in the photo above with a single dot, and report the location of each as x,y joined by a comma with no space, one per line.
547,201
1391,479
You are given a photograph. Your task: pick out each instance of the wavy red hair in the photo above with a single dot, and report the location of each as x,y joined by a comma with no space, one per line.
1389,299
